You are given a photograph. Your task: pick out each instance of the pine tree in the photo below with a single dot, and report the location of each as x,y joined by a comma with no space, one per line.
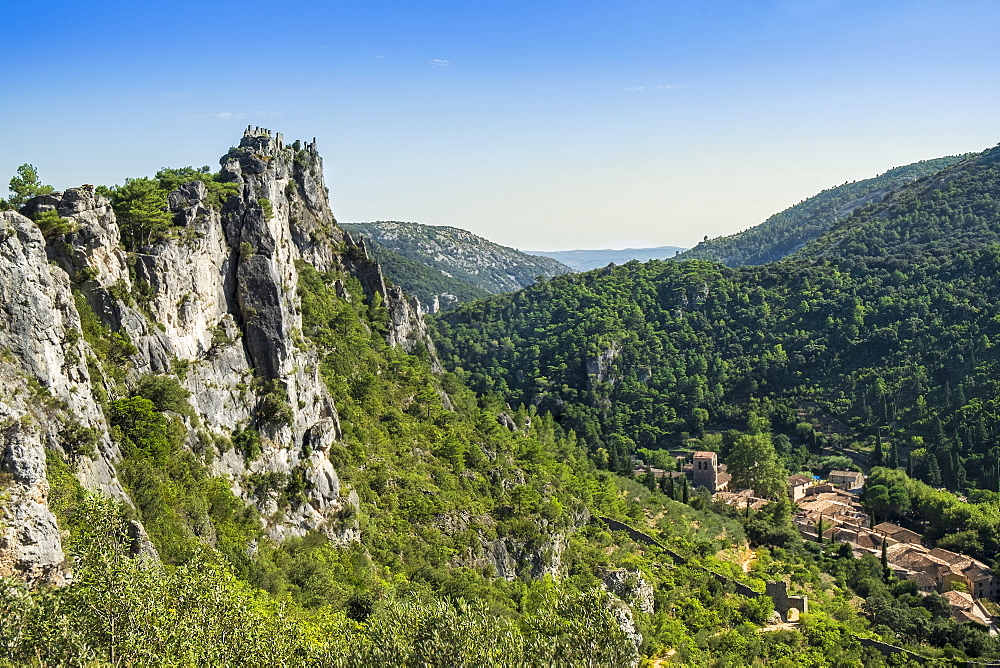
25,185
947,464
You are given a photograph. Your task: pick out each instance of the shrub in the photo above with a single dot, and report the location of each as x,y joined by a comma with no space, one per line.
265,204
273,407
52,225
77,440
166,393
247,441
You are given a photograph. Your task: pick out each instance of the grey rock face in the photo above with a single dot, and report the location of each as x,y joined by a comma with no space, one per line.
623,615
508,557
630,587
44,383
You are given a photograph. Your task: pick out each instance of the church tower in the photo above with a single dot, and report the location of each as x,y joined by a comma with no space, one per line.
706,470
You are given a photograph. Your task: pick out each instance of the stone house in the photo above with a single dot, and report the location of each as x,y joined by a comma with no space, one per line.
797,486
847,479
897,534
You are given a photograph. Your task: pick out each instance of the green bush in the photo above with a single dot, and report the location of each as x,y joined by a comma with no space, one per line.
166,393
247,441
273,407
52,225
265,205
78,441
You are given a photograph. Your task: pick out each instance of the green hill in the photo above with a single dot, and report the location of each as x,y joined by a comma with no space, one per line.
785,232
880,336
447,266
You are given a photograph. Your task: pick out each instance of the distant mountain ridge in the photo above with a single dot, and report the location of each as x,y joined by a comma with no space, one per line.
584,259
786,232
444,266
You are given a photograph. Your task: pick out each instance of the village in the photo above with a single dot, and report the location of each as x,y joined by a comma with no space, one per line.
830,510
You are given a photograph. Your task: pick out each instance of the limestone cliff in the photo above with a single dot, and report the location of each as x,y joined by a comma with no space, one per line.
213,303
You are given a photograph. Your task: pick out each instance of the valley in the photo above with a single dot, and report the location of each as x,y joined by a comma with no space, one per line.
230,434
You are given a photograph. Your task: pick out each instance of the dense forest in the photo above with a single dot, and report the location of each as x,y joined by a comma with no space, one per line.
784,233
878,338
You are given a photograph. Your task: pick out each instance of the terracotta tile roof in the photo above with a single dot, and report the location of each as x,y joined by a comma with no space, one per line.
867,540
976,573
887,527
949,557
796,480
924,580
964,608
959,599
898,532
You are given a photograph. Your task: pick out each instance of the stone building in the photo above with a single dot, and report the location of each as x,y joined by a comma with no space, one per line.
706,470
797,486
847,479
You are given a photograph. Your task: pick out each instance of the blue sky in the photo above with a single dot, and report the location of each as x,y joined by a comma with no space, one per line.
545,125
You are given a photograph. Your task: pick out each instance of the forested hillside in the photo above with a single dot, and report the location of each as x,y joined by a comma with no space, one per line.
785,232
884,328
445,266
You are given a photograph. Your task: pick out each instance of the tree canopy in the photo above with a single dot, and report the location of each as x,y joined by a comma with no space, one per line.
24,185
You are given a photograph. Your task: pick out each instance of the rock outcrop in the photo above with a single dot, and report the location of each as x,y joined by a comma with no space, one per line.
45,390
214,302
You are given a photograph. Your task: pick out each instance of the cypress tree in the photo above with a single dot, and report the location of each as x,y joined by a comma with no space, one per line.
893,462
684,490
933,470
877,454
885,558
